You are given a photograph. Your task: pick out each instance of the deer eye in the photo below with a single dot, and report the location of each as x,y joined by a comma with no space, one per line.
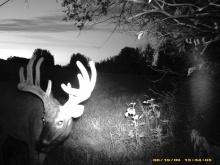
43,119
60,122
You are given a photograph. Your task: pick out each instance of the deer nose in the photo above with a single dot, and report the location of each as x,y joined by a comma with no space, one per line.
41,146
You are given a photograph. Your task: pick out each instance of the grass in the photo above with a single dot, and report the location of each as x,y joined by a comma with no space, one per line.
105,135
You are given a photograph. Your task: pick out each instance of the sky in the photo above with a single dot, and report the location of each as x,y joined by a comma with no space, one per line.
25,27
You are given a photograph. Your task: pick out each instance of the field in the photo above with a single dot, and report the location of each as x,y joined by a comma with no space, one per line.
109,132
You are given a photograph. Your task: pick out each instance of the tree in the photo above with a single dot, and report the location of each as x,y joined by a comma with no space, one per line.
147,52
172,62
48,58
78,57
20,60
128,61
58,66
190,23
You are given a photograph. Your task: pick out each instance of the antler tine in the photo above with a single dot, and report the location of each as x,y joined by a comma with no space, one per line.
28,85
86,85
30,71
37,79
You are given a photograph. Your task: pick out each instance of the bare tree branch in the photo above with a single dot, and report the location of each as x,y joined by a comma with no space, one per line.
4,3
176,21
177,5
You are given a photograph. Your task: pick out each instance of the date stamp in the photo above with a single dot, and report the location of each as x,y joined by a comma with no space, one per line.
179,160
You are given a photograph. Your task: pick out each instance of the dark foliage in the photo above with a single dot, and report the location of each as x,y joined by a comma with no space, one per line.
212,52
58,66
19,60
170,58
77,57
128,61
135,61
48,58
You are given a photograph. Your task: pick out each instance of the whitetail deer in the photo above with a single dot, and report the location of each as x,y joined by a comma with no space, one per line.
41,124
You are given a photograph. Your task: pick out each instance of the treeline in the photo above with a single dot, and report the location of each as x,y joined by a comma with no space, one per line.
139,61
49,60
128,61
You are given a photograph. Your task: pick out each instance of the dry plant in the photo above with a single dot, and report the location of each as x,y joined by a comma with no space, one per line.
207,153
147,129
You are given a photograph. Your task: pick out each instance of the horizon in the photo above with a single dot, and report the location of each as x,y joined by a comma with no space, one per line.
28,26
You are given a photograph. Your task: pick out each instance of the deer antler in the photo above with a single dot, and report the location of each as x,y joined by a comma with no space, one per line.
77,96
28,85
